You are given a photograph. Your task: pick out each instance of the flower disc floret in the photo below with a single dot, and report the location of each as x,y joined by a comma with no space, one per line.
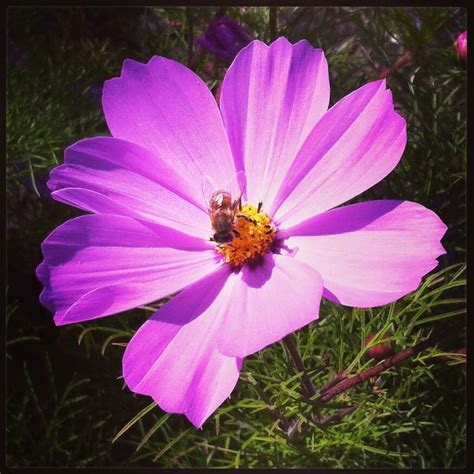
253,236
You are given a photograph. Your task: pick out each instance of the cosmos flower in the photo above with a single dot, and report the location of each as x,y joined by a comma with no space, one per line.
225,38
149,233
461,45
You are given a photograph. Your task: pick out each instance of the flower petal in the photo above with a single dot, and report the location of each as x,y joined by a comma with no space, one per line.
272,96
371,253
165,107
97,265
173,357
355,145
106,174
268,302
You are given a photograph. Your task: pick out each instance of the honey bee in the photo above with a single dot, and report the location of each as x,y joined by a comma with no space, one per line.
222,211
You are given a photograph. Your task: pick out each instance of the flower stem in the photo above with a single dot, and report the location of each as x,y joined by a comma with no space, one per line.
338,378
336,416
308,386
399,63
391,361
219,13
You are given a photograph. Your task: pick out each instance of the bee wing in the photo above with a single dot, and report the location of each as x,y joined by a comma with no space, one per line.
208,187
236,184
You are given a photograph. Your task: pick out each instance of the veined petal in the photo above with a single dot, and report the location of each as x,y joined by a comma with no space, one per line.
371,253
97,265
105,174
268,302
355,145
272,96
173,357
165,107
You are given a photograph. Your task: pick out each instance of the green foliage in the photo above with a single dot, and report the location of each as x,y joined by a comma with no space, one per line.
397,419
55,429
67,405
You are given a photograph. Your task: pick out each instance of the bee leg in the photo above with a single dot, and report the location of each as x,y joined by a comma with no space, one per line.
211,239
259,208
240,203
246,218
237,234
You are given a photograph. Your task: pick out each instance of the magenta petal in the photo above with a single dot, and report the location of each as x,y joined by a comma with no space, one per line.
97,265
165,107
355,145
371,253
269,302
108,175
173,357
272,96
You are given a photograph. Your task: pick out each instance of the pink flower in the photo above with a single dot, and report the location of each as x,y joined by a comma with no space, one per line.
461,45
149,232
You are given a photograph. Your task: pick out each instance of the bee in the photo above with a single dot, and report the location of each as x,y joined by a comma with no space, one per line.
222,211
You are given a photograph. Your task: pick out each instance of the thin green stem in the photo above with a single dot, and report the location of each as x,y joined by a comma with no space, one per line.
274,411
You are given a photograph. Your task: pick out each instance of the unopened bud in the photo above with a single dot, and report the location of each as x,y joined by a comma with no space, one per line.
225,37
381,350
461,45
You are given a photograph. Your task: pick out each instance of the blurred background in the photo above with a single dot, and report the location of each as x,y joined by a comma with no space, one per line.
66,400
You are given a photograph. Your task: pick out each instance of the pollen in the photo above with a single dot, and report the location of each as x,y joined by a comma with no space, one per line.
253,236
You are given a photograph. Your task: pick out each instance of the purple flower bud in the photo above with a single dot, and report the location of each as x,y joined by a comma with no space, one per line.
461,45
225,38
381,350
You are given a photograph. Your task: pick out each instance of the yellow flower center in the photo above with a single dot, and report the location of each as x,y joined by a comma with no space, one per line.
253,236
